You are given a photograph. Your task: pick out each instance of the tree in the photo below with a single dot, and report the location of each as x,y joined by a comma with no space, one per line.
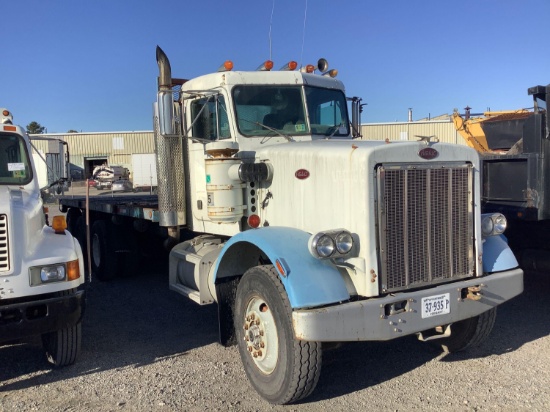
72,131
35,128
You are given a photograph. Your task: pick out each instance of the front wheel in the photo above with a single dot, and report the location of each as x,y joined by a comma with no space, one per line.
63,346
469,332
281,368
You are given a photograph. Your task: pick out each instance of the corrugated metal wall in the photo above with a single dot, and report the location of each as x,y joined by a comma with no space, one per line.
116,147
443,129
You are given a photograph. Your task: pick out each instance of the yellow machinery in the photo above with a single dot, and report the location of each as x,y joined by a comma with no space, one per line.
491,132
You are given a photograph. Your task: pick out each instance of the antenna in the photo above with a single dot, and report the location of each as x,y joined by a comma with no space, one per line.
303,35
271,24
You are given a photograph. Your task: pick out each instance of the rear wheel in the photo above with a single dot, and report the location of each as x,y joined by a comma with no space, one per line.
281,368
469,332
102,250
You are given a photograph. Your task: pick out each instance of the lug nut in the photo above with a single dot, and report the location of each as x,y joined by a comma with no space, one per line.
259,353
250,348
257,321
262,345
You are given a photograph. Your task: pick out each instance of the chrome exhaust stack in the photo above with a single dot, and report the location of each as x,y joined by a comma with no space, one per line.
169,148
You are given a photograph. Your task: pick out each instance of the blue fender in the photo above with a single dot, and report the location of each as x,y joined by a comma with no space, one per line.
308,281
497,255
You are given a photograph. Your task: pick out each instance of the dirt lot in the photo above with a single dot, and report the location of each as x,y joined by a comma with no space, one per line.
147,348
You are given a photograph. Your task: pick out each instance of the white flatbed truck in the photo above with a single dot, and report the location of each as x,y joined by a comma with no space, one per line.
302,234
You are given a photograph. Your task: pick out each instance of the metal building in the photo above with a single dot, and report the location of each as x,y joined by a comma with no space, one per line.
87,150
443,129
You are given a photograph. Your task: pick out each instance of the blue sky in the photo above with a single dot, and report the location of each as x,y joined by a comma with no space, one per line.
90,65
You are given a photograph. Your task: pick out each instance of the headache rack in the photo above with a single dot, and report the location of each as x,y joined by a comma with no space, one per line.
425,224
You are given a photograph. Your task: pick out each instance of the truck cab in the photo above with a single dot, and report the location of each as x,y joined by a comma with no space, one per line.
41,266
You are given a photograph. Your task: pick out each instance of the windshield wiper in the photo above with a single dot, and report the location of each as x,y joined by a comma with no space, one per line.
335,127
287,137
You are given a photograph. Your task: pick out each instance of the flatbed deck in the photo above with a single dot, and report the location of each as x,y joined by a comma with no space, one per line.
136,206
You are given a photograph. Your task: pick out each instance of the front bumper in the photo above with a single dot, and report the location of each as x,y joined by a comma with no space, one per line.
370,319
35,317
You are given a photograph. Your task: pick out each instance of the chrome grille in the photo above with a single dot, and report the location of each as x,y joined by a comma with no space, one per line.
4,244
425,224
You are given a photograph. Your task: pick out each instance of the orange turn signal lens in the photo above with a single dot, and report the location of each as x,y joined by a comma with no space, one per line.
59,224
5,112
310,68
73,270
10,128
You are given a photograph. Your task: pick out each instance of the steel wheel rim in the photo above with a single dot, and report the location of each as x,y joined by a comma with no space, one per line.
260,335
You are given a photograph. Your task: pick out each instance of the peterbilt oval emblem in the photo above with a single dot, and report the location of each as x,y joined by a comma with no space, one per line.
301,174
428,153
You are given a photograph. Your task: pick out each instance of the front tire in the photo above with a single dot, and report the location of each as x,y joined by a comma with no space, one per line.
281,368
469,332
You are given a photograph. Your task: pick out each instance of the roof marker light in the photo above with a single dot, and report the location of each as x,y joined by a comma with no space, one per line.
291,65
331,73
265,66
226,66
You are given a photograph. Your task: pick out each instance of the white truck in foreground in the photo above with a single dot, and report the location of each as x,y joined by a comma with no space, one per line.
41,266
301,234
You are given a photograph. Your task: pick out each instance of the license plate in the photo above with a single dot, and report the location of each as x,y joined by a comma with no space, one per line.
436,305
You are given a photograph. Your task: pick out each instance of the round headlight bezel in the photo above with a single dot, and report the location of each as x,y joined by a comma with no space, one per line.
493,224
331,244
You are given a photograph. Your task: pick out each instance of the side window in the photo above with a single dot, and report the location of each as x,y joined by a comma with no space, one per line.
210,118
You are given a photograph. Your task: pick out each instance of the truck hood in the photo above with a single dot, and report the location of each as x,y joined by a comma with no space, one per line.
329,184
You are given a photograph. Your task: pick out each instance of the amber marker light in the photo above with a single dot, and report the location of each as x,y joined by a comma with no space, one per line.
226,66
10,128
73,270
291,65
254,221
5,112
59,224
331,73
266,66
310,68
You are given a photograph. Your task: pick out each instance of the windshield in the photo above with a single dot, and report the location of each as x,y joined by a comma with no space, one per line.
15,167
269,110
328,113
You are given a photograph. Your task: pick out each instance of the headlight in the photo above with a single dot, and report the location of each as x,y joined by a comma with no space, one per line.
52,273
331,244
344,242
324,246
48,274
493,224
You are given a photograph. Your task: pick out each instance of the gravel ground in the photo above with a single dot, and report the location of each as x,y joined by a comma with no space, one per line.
146,348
